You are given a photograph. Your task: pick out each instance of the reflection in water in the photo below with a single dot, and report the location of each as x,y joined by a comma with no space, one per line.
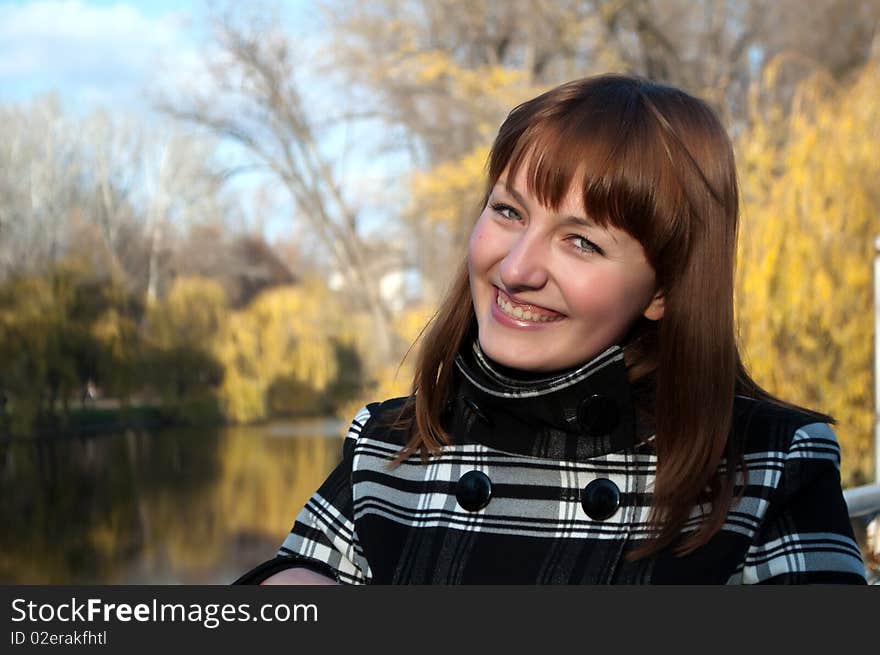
190,506
182,506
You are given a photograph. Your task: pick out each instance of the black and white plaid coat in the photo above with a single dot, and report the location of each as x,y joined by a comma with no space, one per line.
530,515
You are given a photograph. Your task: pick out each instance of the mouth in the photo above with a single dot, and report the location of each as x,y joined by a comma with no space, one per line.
525,312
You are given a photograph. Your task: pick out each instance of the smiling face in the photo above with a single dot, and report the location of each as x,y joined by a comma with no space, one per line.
551,289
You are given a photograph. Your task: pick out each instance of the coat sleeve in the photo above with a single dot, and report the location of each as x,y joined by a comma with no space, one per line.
806,536
323,537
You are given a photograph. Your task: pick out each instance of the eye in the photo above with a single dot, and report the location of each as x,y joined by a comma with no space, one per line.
506,211
584,245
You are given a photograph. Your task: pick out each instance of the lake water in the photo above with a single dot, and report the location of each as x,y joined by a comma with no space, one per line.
177,506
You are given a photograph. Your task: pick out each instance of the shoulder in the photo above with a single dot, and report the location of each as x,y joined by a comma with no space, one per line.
803,534
376,419
764,426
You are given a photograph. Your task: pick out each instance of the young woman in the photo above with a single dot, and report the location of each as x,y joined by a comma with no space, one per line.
580,413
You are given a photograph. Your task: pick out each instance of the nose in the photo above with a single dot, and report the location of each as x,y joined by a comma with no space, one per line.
525,265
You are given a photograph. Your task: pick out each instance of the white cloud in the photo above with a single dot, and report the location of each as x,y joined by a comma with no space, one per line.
93,54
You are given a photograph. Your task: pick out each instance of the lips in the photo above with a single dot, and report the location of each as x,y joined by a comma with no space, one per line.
525,311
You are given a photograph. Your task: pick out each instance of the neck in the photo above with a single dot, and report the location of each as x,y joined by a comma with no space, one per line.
523,375
574,414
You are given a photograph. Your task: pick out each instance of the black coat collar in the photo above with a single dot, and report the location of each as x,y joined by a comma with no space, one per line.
579,414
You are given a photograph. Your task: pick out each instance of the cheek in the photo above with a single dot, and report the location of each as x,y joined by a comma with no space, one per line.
480,254
607,297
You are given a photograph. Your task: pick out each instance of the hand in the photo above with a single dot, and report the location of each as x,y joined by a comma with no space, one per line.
297,576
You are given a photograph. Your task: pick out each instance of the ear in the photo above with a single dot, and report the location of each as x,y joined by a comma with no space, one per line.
654,311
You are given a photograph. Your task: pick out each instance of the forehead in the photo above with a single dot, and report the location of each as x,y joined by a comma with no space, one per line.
571,200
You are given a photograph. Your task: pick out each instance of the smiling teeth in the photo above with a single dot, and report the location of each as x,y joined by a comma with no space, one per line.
523,315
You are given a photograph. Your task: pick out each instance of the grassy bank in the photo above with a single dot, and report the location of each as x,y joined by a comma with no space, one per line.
88,421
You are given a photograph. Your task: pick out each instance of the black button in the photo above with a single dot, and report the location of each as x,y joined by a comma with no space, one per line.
598,415
473,491
600,499
476,411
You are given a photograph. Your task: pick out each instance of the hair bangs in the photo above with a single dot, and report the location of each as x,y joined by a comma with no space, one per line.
610,148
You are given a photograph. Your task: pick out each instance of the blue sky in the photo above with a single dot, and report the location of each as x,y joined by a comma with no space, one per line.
106,52
114,54
92,52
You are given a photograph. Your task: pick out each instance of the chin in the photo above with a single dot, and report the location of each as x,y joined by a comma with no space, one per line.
532,361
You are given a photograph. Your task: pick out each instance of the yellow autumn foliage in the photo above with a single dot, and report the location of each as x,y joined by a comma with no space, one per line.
28,344
47,346
466,83
284,340
450,191
811,212
119,357
394,379
181,337
190,314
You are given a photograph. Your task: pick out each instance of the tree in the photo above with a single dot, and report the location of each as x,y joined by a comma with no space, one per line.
285,342
443,74
258,102
39,185
441,77
104,189
59,330
810,217
182,333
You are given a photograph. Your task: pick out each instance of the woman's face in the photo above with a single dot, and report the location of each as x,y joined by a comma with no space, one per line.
551,289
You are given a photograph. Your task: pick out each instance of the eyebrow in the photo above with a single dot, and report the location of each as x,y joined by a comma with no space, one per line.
577,220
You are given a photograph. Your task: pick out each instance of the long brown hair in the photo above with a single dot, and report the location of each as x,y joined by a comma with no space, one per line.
656,163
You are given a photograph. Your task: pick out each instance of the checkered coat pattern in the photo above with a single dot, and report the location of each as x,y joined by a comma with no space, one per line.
373,523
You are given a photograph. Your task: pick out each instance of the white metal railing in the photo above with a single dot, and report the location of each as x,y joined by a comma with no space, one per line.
862,501
863,504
